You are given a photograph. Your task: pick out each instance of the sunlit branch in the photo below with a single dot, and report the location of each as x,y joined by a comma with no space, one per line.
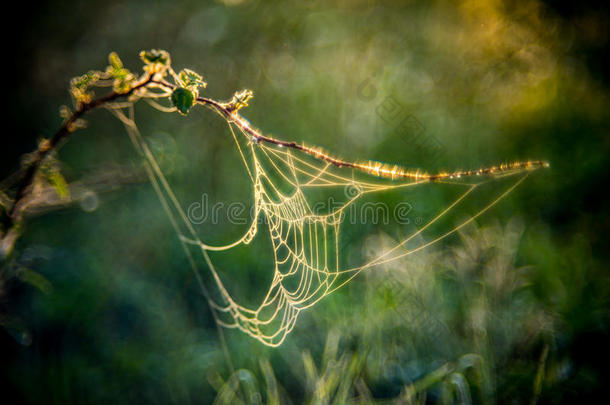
374,168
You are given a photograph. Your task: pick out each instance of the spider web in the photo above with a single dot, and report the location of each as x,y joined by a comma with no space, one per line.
307,264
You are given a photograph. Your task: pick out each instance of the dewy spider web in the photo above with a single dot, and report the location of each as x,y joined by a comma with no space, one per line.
307,264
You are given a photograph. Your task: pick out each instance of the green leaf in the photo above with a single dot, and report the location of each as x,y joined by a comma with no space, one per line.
240,99
191,79
59,184
50,173
122,77
115,61
85,81
183,99
35,279
79,86
155,56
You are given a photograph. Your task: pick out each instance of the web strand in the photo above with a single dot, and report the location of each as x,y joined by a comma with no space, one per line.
307,264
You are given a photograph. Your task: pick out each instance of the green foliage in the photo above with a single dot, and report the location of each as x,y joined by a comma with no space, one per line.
35,279
85,81
80,85
191,80
157,64
183,99
51,173
122,77
58,182
156,61
155,56
240,100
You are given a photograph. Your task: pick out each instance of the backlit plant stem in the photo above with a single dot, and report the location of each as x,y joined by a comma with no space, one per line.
12,216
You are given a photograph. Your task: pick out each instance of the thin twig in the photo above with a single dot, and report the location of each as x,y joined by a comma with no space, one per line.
49,145
394,172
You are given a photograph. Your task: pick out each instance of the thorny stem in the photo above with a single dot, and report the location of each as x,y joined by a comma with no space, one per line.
395,172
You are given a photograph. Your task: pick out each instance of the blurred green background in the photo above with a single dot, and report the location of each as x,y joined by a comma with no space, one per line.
98,303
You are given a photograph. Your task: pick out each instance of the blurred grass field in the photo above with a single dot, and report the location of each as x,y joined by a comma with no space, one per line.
98,304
